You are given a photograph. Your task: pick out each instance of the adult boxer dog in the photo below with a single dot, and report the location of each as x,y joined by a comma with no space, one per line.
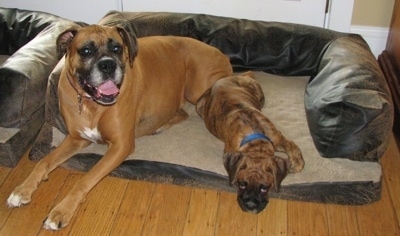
231,110
114,88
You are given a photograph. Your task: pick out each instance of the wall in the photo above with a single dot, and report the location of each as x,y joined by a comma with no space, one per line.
376,13
371,19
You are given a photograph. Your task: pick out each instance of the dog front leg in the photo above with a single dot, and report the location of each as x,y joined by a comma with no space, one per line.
23,193
294,154
61,214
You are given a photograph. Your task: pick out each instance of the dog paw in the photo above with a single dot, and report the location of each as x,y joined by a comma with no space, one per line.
57,219
296,166
52,225
158,131
17,200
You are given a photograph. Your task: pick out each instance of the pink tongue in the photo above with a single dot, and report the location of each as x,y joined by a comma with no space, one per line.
108,88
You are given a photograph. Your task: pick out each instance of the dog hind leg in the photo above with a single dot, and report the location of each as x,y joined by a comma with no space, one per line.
179,116
294,154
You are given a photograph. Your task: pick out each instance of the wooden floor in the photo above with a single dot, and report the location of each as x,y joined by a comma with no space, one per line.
125,207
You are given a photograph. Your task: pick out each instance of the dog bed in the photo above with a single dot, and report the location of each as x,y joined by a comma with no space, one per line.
27,56
324,90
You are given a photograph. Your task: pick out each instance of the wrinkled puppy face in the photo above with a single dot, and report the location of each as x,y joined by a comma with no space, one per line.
253,187
254,178
95,60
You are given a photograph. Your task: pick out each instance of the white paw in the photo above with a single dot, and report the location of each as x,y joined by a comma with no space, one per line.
14,200
51,225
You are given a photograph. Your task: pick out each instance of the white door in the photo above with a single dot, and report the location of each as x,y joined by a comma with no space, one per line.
309,12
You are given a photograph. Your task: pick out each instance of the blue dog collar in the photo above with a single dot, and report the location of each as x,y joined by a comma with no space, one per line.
254,136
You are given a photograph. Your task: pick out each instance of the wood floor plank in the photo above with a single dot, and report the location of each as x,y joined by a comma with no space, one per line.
167,210
202,212
231,220
36,211
391,166
342,220
378,218
4,171
307,218
134,208
69,183
97,214
273,220
15,177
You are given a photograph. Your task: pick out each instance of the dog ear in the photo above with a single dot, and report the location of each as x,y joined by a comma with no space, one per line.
201,103
64,39
280,171
249,74
232,162
130,42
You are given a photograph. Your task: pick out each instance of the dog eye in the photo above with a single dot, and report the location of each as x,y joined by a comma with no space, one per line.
116,49
85,52
264,188
242,185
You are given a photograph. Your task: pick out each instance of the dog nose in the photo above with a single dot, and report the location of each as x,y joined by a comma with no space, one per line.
251,204
107,66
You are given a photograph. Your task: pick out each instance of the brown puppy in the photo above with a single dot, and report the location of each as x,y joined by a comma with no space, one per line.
113,89
231,110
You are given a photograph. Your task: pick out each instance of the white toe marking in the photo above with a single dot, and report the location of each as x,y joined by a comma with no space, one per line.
14,200
50,225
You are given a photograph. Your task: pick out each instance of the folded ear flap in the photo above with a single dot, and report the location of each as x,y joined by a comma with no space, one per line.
249,73
64,39
201,103
280,170
130,42
232,162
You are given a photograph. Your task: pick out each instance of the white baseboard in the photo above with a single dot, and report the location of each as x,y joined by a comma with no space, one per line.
376,37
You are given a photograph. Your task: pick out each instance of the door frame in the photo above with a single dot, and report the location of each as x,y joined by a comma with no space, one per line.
339,15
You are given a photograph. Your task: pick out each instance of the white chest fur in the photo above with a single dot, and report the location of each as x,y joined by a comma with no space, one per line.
91,134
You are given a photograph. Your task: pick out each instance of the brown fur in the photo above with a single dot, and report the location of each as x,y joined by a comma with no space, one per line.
231,110
158,75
